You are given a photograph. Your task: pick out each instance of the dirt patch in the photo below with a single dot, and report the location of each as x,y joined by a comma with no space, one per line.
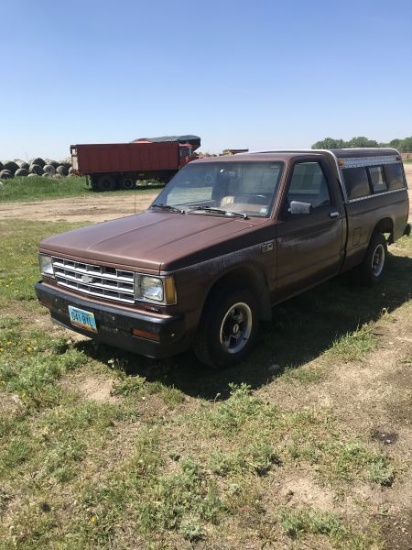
96,208
92,388
10,404
373,399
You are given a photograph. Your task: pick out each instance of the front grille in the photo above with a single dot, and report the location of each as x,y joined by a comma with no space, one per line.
94,280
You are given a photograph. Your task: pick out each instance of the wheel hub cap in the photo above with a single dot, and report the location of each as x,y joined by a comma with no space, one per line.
236,328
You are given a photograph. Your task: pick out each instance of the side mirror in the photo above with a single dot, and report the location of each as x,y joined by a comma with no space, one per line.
297,207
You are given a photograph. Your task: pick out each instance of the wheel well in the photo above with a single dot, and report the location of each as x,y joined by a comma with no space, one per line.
253,280
385,226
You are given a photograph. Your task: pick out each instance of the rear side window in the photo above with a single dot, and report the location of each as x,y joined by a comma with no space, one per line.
366,180
394,176
377,179
356,182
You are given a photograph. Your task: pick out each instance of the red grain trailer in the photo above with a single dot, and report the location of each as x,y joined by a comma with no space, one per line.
119,165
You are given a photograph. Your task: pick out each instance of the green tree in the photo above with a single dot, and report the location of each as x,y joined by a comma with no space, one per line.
362,141
329,143
405,145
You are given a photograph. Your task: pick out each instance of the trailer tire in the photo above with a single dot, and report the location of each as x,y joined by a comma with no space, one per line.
106,183
127,182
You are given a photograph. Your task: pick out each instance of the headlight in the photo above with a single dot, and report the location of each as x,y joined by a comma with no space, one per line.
46,265
160,290
151,288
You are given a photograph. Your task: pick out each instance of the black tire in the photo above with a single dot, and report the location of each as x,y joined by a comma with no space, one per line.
372,268
36,169
6,175
49,169
228,328
62,170
11,166
21,172
106,183
127,182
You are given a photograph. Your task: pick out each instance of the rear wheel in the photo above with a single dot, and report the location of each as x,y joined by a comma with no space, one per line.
228,328
127,182
372,268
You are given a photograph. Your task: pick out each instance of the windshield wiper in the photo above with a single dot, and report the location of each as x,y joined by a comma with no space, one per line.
167,207
221,211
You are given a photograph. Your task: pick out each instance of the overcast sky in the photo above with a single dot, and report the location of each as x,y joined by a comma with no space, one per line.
239,74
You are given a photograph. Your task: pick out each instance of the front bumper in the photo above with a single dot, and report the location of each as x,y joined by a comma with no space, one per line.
115,325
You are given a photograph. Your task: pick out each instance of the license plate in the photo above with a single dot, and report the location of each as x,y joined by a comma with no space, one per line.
82,319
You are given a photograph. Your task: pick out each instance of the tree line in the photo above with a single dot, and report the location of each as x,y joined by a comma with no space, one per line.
402,145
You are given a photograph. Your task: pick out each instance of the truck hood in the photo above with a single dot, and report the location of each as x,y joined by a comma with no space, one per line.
151,241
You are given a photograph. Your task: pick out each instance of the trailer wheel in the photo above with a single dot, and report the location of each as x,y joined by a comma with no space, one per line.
228,328
106,183
127,182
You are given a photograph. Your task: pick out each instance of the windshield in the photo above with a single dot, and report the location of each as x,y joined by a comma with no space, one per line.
246,188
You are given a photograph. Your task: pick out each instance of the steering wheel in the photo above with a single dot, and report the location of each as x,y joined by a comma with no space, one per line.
257,199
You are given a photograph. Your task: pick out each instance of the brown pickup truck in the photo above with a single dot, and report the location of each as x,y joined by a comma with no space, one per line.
226,240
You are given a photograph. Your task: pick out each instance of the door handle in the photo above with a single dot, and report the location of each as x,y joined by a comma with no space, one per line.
334,214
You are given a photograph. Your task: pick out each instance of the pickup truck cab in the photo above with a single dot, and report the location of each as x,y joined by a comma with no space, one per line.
226,240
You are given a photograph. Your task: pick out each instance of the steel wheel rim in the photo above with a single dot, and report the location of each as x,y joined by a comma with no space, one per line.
236,328
378,260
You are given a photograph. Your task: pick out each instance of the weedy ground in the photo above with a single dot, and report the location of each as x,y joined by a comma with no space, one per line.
40,188
305,445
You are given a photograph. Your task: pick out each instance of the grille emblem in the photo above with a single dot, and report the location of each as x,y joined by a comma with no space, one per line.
87,279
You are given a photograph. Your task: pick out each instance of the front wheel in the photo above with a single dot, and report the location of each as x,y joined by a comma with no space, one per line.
228,328
373,266
106,183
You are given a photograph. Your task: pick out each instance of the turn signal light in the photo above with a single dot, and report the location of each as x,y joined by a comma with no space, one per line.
146,334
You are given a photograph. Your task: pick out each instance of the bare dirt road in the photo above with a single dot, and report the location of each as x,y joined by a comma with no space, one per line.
96,207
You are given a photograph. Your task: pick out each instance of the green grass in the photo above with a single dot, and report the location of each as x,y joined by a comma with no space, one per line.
298,523
355,345
19,268
171,458
41,188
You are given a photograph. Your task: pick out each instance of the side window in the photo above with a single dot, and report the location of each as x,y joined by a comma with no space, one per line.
363,181
308,185
378,181
394,176
356,182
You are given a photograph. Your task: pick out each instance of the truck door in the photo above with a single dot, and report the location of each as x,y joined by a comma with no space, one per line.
311,231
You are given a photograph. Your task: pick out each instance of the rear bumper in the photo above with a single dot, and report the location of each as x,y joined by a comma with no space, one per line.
115,325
